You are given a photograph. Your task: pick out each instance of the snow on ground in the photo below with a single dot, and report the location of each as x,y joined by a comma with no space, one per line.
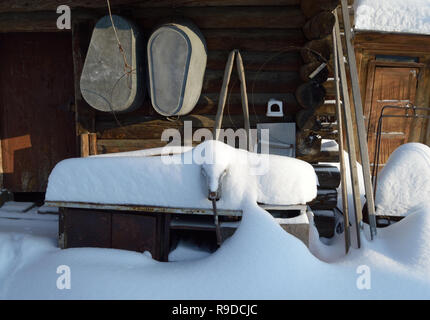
406,16
260,261
404,182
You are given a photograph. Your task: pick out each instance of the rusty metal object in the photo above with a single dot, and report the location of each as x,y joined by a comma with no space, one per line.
142,208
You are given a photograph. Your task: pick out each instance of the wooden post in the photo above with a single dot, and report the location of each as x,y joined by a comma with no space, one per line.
84,145
244,98
223,94
234,55
349,133
359,117
92,137
339,115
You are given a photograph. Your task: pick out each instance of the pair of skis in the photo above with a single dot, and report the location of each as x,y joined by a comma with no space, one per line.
344,114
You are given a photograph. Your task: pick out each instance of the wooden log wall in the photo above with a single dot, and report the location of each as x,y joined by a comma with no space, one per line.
275,38
316,95
269,39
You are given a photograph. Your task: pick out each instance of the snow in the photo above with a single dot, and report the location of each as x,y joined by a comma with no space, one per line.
260,261
404,182
329,145
411,16
13,206
167,180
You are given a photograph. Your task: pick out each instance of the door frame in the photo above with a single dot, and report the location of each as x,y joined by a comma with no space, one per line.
369,44
370,81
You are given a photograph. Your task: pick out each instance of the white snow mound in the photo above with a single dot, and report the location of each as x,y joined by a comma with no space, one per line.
177,180
404,183
412,16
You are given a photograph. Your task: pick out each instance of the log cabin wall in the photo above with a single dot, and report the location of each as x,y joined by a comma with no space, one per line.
270,35
269,38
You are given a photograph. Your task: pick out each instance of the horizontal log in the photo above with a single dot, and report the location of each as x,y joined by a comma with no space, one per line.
312,7
305,118
317,50
319,26
328,176
51,5
262,81
267,40
124,145
208,104
323,156
326,199
146,127
225,17
26,22
310,95
324,221
258,60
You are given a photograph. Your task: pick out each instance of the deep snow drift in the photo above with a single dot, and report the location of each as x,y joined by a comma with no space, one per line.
411,16
404,182
260,261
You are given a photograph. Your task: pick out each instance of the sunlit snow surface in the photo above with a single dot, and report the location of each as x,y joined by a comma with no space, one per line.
260,261
403,16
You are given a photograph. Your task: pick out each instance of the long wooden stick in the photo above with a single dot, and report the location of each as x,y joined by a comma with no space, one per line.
339,116
235,54
358,106
223,94
244,97
349,132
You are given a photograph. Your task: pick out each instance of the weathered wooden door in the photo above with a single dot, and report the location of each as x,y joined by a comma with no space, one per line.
36,117
388,86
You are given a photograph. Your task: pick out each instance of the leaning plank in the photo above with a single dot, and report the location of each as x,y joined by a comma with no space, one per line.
350,137
342,164
358,107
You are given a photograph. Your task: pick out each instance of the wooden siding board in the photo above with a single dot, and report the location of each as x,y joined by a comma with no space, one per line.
36,92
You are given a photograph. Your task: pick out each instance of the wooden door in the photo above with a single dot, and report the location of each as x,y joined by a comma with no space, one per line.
388,86
36,118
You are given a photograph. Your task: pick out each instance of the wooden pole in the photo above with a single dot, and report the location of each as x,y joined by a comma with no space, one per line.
349,133
244,97
362,137
223,94
339,116
84,145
